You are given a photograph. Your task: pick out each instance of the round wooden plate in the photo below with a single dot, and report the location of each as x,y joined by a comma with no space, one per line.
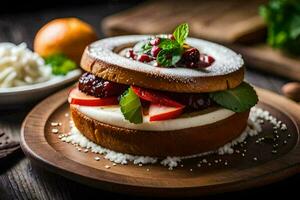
251,165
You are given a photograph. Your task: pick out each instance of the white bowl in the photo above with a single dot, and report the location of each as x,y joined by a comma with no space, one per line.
17,96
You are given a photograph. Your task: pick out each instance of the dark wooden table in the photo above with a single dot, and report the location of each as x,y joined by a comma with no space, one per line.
21,179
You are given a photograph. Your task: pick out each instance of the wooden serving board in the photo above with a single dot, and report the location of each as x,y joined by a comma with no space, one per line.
233,23
44,148
263,57
213,20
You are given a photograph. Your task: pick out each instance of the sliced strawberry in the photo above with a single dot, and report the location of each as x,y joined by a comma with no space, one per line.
79,98
155,97
158,112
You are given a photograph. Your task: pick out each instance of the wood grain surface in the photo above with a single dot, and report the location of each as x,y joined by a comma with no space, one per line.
242,172
233,23
21,179
263,57
207,19
7,145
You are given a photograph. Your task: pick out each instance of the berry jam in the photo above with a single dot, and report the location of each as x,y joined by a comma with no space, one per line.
193,102
98,87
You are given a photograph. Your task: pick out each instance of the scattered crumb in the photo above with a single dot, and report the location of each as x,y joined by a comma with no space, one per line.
54,130
54,124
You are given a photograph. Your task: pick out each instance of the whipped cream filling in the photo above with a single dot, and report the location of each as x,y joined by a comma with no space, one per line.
112,115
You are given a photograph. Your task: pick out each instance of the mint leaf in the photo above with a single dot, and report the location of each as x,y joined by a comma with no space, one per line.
60,64
170,53
181,32
147,48
168,57
172,49
239,99
131,107
142,47
168,44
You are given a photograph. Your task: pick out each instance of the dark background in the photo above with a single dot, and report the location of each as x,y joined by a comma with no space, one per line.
25,6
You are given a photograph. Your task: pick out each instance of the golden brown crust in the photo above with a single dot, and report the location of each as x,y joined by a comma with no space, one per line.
161,143
131,77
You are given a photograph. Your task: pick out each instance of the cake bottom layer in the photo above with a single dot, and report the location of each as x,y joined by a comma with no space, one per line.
181,142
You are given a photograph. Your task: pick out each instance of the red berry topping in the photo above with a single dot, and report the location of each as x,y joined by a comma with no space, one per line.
155,41
98,87
191,65
155,97
144,58
131,54
171,36
205,61
192,58
191,55
155,50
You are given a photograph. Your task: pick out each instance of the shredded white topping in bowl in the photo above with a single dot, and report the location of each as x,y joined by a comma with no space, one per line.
20,66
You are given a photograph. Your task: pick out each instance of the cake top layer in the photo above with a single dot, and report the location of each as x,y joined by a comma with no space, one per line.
102,59
226,60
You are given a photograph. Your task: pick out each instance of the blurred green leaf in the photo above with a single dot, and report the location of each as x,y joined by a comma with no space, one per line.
283,21
60,64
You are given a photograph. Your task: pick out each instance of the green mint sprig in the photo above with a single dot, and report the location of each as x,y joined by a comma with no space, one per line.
239,99
168,57
131,107
171,50
146,48
181,33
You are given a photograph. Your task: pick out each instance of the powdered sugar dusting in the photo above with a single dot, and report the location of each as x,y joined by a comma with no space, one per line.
226,61
256,117
77,138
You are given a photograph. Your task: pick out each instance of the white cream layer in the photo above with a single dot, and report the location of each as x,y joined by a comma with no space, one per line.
112,115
